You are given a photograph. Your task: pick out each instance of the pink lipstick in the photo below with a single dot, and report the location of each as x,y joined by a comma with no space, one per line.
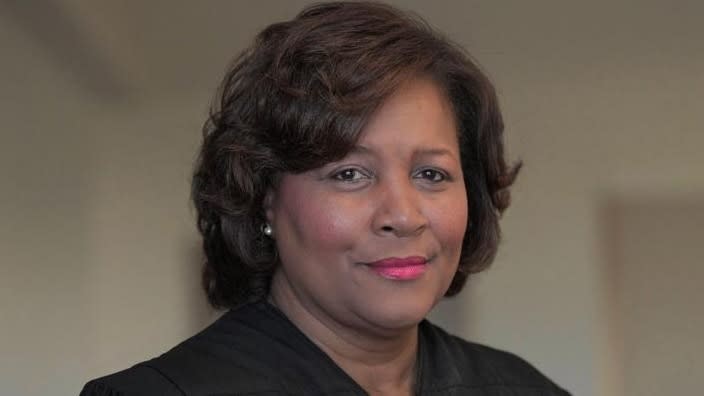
407,268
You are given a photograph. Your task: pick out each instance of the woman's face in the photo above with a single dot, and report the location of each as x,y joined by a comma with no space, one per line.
373,241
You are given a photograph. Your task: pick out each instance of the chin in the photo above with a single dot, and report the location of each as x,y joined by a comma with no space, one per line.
400,313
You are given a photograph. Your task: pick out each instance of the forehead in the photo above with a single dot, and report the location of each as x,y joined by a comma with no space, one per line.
418,112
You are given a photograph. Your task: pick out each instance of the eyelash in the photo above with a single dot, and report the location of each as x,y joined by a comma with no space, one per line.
435,172
358,175
338,175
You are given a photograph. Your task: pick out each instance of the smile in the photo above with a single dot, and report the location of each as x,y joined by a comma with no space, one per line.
407,268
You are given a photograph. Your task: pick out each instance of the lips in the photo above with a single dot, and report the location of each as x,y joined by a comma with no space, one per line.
406,268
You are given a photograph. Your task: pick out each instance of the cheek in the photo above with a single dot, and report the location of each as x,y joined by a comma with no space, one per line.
325,226
321,221
451,222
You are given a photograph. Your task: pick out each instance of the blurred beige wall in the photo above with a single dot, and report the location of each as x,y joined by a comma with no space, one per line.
656,326
98,254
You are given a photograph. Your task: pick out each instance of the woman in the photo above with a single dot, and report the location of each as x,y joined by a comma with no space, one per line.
351,177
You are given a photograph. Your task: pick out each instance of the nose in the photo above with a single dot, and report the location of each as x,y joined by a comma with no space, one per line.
399,209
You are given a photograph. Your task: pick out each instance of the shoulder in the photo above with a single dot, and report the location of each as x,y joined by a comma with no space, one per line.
482,366
137,380
175,373
218,360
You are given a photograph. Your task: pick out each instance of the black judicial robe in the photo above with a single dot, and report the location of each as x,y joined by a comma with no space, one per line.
256,350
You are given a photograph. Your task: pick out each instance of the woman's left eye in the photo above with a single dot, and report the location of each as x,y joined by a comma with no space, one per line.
431,175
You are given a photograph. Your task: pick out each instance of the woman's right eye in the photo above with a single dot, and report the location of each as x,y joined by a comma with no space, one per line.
349,175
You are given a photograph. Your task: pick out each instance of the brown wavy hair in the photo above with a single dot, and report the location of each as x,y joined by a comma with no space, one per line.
298,98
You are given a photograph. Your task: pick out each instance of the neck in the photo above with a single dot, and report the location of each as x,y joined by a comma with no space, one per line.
381,361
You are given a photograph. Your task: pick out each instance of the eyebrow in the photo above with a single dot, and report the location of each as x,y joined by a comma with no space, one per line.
437,151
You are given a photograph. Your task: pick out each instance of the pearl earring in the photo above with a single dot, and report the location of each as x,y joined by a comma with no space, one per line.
267,230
